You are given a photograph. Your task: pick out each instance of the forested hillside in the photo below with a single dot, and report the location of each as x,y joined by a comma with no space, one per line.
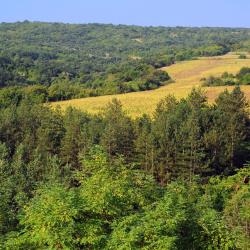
68,60
175,178
179,180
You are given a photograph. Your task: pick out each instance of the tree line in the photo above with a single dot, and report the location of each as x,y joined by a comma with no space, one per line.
226,79
177,180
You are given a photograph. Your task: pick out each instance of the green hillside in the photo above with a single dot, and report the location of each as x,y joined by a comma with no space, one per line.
73,61
166,167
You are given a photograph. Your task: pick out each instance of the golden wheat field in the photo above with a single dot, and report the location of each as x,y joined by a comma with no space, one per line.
186,75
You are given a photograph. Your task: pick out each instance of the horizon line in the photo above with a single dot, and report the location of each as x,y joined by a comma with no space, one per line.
121,24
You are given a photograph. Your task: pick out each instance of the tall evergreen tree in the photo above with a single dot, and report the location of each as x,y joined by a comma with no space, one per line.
50,133
165,130
118,134
231,121
76,138
144,144
192,132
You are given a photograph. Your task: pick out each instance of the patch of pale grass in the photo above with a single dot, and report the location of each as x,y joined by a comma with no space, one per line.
186,75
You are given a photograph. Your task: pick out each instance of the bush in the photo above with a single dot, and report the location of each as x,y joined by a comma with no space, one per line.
242,56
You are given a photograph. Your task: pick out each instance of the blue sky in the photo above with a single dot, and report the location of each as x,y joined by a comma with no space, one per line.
226,13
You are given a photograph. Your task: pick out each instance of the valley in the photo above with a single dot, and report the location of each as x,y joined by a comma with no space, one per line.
186,75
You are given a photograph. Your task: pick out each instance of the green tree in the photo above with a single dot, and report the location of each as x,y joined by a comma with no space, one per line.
76,138
165,131
111,190
232,123
165,224
192,132
50,133
48,220
118,134
145,150
7,211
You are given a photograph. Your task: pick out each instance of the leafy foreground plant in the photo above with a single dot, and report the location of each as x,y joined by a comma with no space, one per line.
115,206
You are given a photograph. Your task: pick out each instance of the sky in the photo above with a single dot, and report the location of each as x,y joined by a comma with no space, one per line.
212,13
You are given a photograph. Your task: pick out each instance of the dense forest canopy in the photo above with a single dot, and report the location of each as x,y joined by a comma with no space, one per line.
73,60
179,180
71,180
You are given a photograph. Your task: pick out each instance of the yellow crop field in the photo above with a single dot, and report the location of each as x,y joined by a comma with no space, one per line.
186,75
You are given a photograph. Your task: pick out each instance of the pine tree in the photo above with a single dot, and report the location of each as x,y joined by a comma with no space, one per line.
165,130
118,134
232,121
50,133
193,130
144,144
76,139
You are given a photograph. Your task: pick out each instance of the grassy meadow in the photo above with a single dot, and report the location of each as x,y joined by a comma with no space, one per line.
186,75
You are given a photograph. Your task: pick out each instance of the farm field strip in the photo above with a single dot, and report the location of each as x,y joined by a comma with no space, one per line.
186,75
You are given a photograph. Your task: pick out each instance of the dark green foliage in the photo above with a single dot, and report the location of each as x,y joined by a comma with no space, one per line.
75,181
242,78
232,106
242,56
145,150
77,138
74,61
181,130
70,180
117,137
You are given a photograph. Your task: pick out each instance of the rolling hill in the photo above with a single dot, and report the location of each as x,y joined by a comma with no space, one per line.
186,75
84,60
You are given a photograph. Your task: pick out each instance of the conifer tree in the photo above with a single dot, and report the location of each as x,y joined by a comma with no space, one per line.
144,144
165,130
76,137
192,129
118,134
232,123
50,133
